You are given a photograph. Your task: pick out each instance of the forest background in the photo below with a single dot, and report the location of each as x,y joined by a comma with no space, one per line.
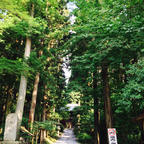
105,48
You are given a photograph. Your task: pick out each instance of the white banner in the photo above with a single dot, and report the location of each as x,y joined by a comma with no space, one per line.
112,136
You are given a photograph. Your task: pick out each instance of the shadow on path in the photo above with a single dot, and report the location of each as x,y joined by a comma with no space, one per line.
67,138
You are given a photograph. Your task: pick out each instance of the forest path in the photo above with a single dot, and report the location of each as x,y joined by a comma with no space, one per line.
67,138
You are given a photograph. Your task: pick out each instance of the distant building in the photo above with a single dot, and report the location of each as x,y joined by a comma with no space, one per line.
71,106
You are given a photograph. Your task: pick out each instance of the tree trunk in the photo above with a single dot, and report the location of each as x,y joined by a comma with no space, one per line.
23,86
96,113
43,132
44,119
1,113
106,93
34,97
142,132
96,122
23,82
8,103
33,104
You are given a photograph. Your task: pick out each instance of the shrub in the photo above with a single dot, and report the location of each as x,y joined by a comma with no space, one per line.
84,138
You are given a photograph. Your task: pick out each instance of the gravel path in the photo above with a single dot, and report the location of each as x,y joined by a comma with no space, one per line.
67,138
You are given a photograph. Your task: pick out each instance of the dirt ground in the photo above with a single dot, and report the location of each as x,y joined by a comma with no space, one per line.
67,138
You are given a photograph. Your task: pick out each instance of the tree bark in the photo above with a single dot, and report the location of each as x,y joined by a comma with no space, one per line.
96,122
34,97
142,132
23,86
96,113
106,93
43,132
33,104
8,102
23,81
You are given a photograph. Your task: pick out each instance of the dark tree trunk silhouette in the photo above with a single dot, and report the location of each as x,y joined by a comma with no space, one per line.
106,93
96,112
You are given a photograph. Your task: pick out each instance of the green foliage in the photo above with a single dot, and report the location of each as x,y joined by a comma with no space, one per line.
132,93
84,123
105,32
47,125
14,67
65,115
16,24
84,138
111,33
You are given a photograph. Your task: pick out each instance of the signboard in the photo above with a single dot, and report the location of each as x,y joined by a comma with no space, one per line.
112,136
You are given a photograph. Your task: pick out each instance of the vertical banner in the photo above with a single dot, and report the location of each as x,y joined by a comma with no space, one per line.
112,136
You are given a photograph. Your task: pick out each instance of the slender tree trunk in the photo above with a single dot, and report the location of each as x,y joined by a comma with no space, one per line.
106,92
96,122
44,119
1,114
34,97
96,113
43,132
8,103
142,132
33,104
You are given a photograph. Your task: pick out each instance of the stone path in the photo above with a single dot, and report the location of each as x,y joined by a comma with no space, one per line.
67,138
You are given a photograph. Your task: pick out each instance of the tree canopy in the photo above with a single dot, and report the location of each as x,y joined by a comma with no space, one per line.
104,48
